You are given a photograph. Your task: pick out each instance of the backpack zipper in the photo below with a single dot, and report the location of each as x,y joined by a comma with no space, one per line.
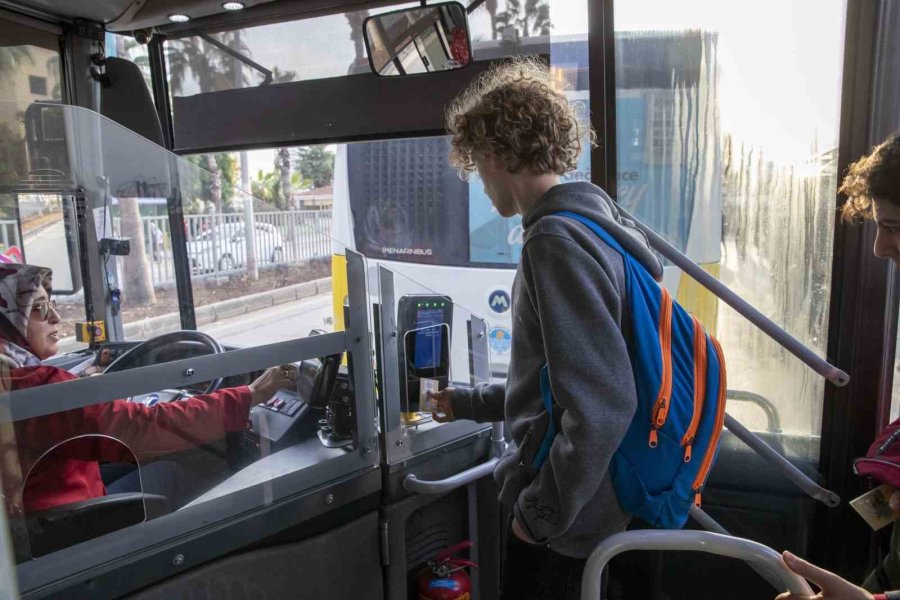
661,407
887,443
706,466
699,388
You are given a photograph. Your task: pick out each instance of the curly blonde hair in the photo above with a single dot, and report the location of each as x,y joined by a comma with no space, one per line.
873,177
516,113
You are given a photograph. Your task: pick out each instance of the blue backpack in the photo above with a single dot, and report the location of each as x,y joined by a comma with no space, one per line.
662,464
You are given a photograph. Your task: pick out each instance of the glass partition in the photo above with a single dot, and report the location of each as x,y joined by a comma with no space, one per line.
428,343
158,430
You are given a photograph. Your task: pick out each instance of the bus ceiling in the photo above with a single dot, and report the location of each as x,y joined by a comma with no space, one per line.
127,16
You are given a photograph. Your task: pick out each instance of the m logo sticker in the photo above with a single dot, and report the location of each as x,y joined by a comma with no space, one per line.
499,301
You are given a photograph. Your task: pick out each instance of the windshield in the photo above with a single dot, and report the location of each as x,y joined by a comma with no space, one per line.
83,181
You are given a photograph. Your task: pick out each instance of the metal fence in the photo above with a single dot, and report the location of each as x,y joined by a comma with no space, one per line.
217,243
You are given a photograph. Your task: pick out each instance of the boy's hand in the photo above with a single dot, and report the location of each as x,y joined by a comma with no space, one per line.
519,532
443,405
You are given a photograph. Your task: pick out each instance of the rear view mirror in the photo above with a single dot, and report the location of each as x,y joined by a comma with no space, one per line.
418,40
39,229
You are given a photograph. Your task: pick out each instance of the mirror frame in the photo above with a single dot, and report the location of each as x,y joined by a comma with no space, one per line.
403,10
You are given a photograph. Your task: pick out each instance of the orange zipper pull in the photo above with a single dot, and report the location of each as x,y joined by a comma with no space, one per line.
697,499
662,411
687,452
654,439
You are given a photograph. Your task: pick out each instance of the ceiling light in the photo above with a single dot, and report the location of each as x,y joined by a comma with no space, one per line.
233,5
179,18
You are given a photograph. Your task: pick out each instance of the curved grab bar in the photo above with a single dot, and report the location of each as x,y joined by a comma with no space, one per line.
782,465
772,418
697,541
411,483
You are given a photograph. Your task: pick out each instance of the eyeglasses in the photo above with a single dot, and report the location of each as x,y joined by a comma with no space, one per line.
44,308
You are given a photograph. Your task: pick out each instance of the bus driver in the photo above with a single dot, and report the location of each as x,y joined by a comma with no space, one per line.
63,450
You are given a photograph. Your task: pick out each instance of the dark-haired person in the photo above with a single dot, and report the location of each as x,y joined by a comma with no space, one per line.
518,131
872,187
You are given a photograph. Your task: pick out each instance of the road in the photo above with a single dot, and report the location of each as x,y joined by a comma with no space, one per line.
276,324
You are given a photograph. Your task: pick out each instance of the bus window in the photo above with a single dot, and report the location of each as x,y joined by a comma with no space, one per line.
125,46
285,291
734,161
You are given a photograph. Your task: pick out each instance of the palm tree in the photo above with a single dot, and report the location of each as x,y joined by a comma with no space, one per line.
213,70
532,18
491,6
283,156
355,20
283,162
266,187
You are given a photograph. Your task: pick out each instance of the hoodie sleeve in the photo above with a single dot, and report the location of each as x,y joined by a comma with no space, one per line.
579,307
483,403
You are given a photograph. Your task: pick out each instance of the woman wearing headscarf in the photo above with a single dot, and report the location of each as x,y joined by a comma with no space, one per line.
59,454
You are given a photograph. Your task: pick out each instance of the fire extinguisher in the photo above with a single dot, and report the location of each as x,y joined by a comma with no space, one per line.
445,577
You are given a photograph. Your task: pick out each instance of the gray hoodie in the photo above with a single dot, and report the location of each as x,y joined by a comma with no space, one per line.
568,304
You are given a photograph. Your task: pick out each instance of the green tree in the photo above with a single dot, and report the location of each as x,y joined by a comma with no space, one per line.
316,164
215,179
267,187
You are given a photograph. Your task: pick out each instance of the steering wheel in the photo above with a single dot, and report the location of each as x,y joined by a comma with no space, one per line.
151,351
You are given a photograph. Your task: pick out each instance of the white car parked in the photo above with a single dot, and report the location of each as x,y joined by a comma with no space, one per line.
224,247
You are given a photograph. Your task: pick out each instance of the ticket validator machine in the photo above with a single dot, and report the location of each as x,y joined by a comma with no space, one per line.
423,351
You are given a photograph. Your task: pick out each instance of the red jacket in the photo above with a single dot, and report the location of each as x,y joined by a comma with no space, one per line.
71,471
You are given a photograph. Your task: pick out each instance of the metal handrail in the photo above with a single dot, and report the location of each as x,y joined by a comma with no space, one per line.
411,483
773,421
767,560
781,464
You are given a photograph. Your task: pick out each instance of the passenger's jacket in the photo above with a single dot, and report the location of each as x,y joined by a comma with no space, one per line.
62,453
567,312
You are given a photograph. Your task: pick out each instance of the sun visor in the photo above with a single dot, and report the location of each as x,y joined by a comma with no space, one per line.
350,108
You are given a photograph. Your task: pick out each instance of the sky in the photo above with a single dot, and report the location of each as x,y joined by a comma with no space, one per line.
779,62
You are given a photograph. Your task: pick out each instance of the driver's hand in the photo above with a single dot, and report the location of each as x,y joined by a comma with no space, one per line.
274,379
443,409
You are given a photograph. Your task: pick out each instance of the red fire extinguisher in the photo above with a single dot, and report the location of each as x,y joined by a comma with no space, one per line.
445,577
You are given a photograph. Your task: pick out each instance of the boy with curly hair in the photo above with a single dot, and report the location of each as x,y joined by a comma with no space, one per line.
519,132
